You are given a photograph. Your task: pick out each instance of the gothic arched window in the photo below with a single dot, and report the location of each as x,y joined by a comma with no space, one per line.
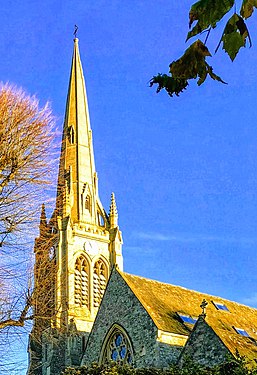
117,347
88,203
71,134
81,282
101,221
99,281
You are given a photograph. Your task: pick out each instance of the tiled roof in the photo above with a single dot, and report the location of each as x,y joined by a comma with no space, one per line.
163,302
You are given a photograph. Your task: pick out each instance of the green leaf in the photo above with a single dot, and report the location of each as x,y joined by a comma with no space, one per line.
232,43
247,8
207,13
170,84
234,36
192,64
213,75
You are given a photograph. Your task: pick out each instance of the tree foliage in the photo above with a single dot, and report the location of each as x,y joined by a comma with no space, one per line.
233,366
25,139
204,16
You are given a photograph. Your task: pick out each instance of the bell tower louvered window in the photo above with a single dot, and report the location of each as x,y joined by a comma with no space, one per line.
81,282
99,281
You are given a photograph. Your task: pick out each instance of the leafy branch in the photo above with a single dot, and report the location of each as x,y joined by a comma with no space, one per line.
203,17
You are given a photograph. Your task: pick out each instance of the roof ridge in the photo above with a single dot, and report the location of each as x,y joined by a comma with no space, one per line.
189,290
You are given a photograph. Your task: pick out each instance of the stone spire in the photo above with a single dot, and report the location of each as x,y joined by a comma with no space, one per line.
77,194
113,213
80,246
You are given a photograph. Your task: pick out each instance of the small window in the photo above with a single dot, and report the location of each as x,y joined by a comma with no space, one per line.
187,319
83,343
71,134
88,203
220,306
101,222
241,332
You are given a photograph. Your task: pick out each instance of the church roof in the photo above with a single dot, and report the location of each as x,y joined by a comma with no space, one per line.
167,305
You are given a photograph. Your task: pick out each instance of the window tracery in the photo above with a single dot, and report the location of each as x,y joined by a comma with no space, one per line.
118,348
99,281
81,282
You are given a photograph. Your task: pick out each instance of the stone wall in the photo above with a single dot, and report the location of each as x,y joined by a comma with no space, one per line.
204,346
168,354
121,306
60,350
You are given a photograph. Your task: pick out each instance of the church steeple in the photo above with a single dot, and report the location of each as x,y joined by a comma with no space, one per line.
77,194
81,242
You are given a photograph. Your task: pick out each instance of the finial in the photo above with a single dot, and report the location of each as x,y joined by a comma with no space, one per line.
113,207
113,213
43,221
43,212
203,307
75,31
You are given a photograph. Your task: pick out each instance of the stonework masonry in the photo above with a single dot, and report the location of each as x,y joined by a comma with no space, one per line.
204,346
168,354
81,315
81,245
120,305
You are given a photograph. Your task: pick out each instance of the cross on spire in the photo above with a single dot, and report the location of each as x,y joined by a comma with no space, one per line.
75,31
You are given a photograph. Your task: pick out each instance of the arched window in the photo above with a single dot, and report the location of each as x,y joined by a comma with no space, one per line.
81,282
88,203
101,221
71,134
99,281
117,347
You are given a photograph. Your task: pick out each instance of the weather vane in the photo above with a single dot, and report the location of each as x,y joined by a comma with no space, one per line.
203,307
75,31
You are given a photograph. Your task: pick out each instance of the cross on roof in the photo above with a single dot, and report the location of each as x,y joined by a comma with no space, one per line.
203,306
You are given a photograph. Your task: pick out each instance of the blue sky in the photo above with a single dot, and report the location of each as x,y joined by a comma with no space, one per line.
184,170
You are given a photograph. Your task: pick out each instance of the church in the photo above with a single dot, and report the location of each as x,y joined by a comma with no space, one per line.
86,309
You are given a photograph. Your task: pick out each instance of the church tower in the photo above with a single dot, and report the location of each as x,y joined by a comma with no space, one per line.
78,246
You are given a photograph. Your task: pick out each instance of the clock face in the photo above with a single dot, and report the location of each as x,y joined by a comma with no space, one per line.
91,247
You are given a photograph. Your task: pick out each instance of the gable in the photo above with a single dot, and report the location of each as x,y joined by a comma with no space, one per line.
204,346
121,308
164,302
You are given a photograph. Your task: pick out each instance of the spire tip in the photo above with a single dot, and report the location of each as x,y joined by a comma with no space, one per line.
75,33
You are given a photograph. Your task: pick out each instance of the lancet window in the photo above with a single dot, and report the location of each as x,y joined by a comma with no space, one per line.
81,282
88,203
101,222
71,134
99,281
118,347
